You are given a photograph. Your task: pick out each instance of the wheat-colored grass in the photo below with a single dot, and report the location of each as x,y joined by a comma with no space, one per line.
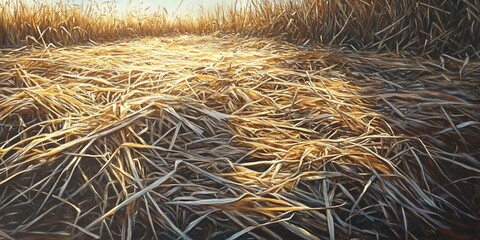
427,27
222,136
199,137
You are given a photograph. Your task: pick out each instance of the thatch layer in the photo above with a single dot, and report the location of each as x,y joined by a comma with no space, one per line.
201,137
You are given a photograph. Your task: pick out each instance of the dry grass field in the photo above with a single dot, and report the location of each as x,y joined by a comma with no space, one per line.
273,121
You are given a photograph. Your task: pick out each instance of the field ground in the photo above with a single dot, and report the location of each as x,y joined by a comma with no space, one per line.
222,136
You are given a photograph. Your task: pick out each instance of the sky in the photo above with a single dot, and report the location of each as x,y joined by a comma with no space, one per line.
173,7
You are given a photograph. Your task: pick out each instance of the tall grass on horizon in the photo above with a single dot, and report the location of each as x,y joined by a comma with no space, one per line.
66,24
427,27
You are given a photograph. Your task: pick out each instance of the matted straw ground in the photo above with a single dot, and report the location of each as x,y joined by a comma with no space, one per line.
227,137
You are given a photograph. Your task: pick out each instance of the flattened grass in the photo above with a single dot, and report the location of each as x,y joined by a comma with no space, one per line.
201,137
